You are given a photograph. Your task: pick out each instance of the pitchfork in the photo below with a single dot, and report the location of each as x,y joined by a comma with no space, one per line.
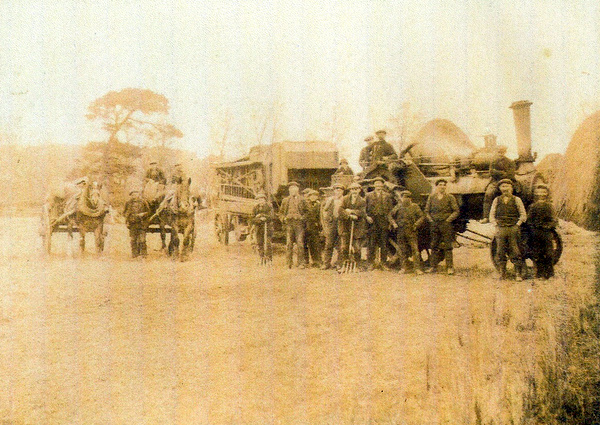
265,260
349,265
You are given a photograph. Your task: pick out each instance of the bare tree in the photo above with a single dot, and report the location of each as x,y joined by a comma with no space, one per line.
221,131
405,123
266,121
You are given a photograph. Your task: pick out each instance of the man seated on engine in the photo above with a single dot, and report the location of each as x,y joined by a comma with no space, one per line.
501,168
381,154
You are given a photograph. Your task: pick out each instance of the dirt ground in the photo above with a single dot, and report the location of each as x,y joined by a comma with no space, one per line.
220,340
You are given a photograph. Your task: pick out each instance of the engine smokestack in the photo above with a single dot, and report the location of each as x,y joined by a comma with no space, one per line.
523,129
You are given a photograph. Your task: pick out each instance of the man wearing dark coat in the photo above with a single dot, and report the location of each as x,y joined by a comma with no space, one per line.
136,212
541,219
441,210
313,228
406,217
353,222
155,173
262,218
379,203
293,215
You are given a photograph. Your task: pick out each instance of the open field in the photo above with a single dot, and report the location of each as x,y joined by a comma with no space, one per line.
220,340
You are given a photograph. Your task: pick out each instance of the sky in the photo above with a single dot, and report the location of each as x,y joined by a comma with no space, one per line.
351,63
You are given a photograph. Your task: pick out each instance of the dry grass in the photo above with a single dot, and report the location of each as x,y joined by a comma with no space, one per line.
218,341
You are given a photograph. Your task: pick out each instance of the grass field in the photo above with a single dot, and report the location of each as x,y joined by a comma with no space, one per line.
220,340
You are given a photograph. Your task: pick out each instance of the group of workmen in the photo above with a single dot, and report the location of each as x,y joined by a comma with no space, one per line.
354,222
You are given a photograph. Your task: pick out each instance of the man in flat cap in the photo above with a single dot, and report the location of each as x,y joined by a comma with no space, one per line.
136,212
293,215
406,217
262,218
382,150
501,167
313,228
542,221
382,158
365,153
441,210
331,215
379,203
507,214
155,173
352,222
177,176
344,169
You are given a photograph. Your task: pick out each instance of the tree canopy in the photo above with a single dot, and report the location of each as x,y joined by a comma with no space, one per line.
121,110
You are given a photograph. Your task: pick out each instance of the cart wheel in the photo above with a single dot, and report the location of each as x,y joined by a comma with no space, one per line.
557,245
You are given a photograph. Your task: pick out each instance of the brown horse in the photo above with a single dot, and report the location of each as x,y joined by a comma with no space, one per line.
178,210
89,217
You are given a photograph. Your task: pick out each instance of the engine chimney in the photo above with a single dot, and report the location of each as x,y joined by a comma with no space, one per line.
523,129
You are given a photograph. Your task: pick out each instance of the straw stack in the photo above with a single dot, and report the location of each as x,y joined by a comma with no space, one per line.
576,189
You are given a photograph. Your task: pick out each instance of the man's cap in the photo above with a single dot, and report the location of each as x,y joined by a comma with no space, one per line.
306,191
355,186
261,195
313,192
406,193
505,181
343,161
381,132
132,191
369,139
441,181
378,179
338,186
292,183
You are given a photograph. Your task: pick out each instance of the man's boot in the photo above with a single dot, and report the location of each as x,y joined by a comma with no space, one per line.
143,249
449,257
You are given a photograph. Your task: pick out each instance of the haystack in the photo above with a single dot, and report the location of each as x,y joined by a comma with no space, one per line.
550,167
576,190
441,141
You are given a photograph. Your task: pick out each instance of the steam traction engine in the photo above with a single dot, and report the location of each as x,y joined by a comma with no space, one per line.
441,149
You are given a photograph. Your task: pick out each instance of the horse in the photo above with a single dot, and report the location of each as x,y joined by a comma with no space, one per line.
178,210
154,194
89,217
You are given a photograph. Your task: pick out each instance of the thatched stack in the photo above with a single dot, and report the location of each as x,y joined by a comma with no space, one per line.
441,141
550,167
576,190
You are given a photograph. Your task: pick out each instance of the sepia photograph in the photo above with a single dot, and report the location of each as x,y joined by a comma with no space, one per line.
299,212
